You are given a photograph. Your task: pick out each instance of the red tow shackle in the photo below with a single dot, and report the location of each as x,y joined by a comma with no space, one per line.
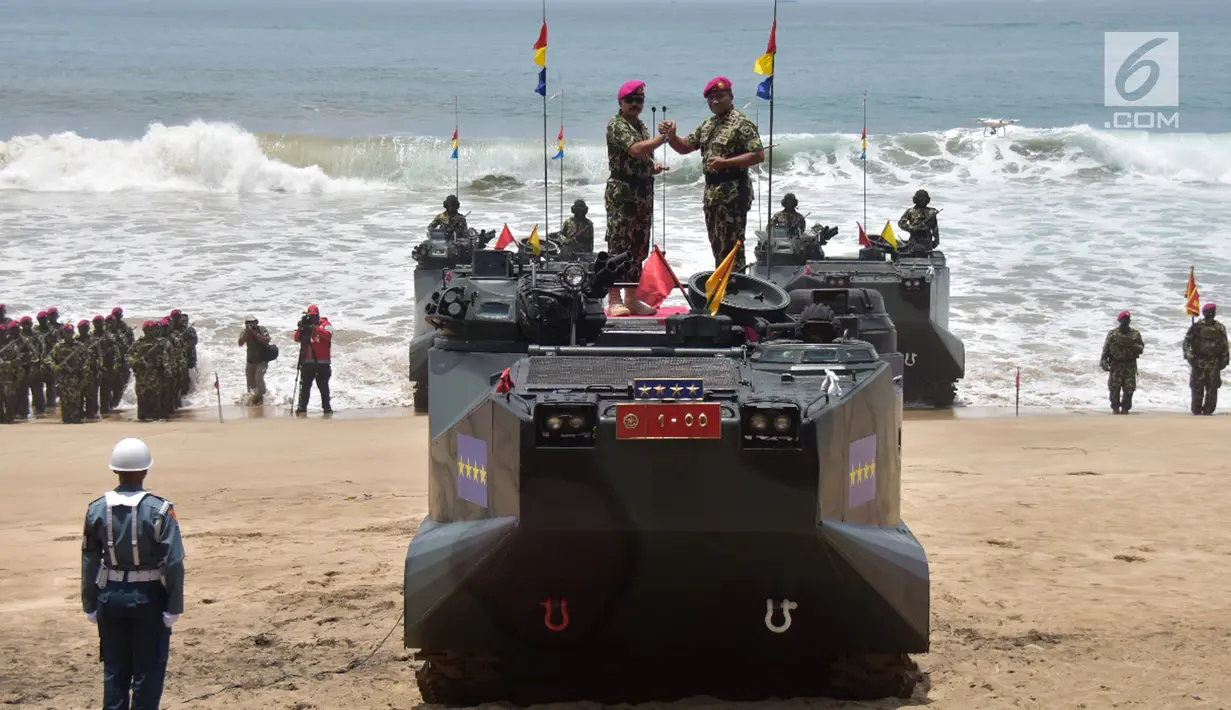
547,605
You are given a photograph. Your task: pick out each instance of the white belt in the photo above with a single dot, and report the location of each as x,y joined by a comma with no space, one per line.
148,575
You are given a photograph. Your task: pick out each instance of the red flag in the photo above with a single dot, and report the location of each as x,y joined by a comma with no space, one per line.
772,48
657,280
863,236
506,238
1192,299
1019,378
506,382
542,37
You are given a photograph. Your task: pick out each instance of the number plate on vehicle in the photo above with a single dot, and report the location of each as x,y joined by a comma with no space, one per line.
685,420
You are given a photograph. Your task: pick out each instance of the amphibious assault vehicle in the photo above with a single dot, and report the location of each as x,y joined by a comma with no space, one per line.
915,290
434,257
649,508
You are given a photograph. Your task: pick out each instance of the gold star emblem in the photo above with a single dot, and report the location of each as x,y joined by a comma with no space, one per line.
660,389
644,389
692,389
675,390
872,470
461,467
483,475
853,474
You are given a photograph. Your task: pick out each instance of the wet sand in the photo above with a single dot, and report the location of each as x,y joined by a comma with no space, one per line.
1078,560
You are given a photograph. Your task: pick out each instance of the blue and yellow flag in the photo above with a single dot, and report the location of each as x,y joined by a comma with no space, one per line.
540,58
454,156
534,240
716,284
765,65
559,144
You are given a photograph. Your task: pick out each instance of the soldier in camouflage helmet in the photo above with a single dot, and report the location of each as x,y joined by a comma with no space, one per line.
788,216
1205,349
1121,349
577,232
920,222
729,145
450,220
629,196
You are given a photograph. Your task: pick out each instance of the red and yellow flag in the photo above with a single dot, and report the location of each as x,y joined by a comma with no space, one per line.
1192,299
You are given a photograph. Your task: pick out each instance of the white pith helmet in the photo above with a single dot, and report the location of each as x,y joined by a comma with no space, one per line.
131,455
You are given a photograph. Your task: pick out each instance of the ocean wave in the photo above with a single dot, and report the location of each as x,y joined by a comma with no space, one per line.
219,157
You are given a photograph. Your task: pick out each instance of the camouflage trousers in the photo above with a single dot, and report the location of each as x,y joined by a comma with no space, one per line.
1122,377
150,402
630,212
119,383
8,397
726,217
72,401
1204,382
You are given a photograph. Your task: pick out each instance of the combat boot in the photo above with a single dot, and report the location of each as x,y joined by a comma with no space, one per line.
615,305
1197,391
637,308
1211,401
1115,400
1126,402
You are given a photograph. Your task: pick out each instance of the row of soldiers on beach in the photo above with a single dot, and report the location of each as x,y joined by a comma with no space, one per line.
85,371
1205,349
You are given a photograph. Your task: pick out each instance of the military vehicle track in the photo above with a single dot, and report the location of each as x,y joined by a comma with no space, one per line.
467,679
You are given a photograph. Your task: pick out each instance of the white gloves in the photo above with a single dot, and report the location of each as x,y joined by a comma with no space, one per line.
92,617
170,619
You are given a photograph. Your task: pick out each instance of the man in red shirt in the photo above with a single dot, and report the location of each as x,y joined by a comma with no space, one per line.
314,335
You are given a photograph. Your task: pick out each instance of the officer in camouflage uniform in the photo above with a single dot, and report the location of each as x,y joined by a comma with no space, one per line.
920,222
36,356
12,356
124,340
132,580
729,145
1205,349
629,194
450,220
105,353
577,233
168,383
788,216
1121,349
188,339
90,376
26,366
148,358
69,361
50,335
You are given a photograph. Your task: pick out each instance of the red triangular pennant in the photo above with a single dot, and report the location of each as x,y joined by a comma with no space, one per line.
506,238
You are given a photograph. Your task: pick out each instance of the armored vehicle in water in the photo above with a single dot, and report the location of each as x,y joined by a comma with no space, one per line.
649,508
915,290
434,258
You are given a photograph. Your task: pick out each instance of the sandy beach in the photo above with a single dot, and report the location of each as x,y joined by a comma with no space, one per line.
1078,561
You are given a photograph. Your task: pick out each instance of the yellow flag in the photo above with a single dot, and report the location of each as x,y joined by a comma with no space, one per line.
716,284
540,56
534,240
887,235
764,65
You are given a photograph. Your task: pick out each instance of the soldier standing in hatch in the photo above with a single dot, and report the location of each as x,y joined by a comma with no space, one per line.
450,220
788,216
577,232
729,145
629,193
1205,349
68,361
132,580
920,222
1121,349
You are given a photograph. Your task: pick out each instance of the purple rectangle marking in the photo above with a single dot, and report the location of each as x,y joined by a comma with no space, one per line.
472,469
861,475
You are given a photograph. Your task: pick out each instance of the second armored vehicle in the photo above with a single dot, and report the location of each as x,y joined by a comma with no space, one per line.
915,290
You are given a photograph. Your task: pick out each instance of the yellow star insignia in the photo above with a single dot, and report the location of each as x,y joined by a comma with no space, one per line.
482,475
660,389
872,470
692,389
461,467
645,389
853,474
676,390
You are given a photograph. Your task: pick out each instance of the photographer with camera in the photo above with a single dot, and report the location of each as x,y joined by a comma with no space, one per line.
315,336
260,353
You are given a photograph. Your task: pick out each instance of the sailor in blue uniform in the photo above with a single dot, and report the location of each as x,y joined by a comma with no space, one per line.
132,581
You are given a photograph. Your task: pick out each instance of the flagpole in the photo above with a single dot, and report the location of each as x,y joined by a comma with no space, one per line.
865,159
759,176
457,166
546,184
561,163
769,188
